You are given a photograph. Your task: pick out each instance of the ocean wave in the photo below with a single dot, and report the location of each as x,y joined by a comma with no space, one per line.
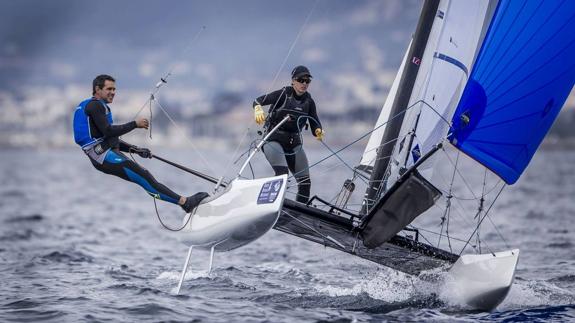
68,257
25,218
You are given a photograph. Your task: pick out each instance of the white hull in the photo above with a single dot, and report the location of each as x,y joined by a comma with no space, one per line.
237,216
242,213
483,281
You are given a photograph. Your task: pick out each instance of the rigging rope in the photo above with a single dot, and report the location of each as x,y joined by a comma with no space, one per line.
482,197
153,94
291,48
158,213
183,133
164,80
448,208
483,218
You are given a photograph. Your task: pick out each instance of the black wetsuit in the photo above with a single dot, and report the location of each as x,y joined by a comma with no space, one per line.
284,149
115,162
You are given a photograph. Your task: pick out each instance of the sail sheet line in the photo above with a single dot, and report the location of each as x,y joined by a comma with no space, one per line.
183,133
448,206
434,233
482,218
483,195
357,140
498,233
424,104
379,147
459,211
480,209
292,46
163,80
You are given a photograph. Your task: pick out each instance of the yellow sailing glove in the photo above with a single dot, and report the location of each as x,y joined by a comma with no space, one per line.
319,133
259,115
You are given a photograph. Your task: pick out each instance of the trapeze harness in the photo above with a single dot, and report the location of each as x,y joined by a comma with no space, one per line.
284,149
96,134
288,135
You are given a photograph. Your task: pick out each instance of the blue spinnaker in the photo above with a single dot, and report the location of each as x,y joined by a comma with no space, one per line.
522,76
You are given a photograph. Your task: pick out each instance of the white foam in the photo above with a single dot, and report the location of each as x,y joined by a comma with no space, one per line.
190,275
279,267
386,285
537,293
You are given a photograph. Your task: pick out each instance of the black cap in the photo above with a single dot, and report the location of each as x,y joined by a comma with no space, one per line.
300,71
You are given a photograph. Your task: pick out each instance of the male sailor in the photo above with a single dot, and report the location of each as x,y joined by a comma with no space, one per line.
284,149
96,133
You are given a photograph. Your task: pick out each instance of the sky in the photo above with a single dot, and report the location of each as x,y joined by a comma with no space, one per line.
240,43
50,51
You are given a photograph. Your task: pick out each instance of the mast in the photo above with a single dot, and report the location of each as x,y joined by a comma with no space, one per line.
400,103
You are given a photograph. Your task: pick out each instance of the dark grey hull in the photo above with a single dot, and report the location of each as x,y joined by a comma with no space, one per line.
337,232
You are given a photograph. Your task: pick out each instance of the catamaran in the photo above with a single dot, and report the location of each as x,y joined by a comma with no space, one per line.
482,79
487,78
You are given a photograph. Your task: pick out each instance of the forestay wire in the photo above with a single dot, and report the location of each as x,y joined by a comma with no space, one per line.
164,80
152,98
294,42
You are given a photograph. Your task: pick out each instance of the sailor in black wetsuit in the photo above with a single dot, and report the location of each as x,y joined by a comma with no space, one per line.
284,149
95,132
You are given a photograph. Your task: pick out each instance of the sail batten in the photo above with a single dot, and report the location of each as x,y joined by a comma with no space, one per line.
523,75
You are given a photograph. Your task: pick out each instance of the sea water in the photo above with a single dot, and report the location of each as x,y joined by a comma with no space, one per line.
78,245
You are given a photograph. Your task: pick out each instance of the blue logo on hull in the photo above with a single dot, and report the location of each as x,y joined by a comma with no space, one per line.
270,191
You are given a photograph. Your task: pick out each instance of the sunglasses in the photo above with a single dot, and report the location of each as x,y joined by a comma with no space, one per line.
304,80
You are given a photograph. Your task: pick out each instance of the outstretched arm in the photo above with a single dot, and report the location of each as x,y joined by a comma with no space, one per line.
97,112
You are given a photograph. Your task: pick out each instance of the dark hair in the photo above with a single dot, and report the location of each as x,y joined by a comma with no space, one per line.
99,82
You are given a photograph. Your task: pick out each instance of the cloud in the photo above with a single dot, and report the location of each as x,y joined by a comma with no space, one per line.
372,56
206,71
62,70
314,55
374,12
181,68
357,88
10,48
147,69
317,30
235,85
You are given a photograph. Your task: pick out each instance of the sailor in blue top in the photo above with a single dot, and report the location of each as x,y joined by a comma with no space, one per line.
96,133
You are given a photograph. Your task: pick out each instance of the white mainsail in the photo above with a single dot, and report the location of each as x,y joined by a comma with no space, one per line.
370,152
439,85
